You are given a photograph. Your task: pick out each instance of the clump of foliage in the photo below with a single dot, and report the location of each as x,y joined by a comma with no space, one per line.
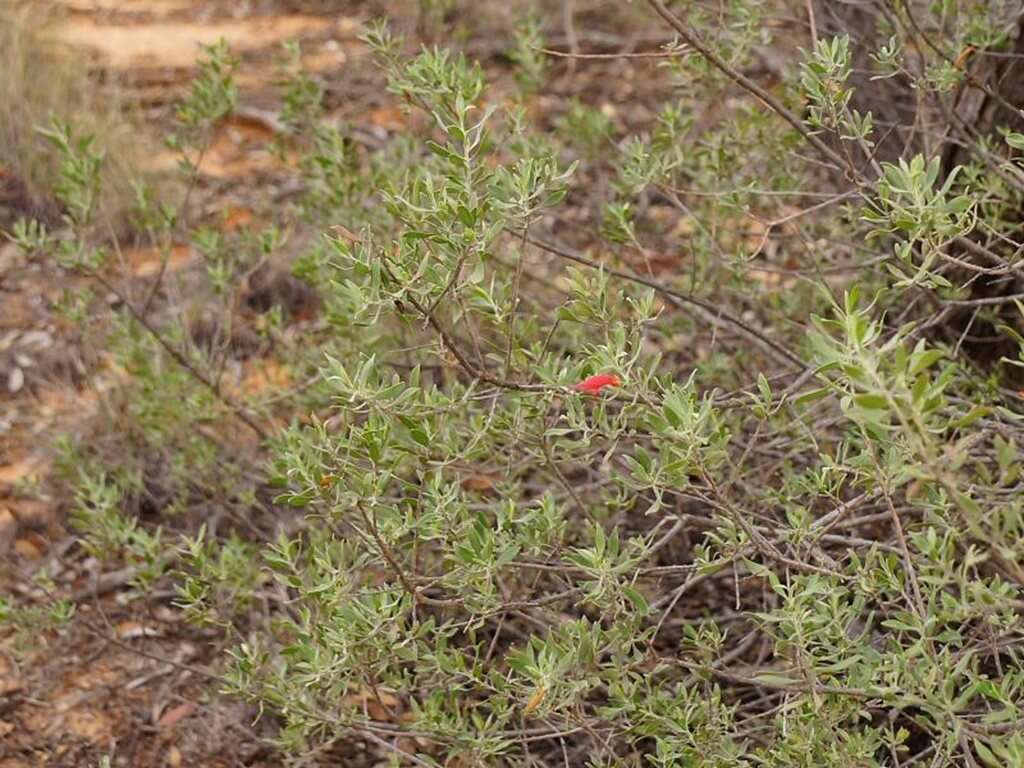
31,54
784,529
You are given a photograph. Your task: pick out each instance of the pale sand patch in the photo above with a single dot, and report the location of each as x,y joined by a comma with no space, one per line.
177,44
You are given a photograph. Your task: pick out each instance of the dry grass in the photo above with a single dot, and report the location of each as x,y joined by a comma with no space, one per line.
45,79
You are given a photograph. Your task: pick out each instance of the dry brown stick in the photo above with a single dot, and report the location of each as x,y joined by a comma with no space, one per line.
400,753
569,23
769,226
917,600
514,302
812,21
762,544
987,301
637,55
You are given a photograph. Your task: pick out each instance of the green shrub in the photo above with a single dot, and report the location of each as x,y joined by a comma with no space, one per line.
784,529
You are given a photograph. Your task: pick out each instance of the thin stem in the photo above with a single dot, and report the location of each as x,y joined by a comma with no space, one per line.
716,315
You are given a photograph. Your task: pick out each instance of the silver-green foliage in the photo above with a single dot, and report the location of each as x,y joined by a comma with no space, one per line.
717,561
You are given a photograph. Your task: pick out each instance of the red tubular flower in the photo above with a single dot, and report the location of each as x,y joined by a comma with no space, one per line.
593,385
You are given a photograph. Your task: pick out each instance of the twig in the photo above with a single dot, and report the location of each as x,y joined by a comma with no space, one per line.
453,347
988,301
165,256
385,551
106,582
691,38
180,359
568,22
638,55
717,315
812,21
771,225
514,301
371,736
201,671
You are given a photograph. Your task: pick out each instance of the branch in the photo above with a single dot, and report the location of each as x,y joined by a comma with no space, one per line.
747,84
716,314
180,358
453,347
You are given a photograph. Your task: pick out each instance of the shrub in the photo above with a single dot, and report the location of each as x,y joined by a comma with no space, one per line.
689,445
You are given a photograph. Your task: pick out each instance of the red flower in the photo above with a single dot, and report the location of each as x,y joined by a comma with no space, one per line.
593,385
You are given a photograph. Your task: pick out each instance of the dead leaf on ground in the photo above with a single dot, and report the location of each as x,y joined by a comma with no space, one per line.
240,146
146,262
32,513
380,705
262,376
91,725
330,56
31,547
9,678
478,482
129,630
389,118
175,715
15,380
25,468
237,217
658,262
771,279
684,227
150,6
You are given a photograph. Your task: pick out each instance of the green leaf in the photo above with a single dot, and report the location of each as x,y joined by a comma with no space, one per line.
1015,140
775,679
638,600
921,361
900,625
871,401
812,395
976,412
986,754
